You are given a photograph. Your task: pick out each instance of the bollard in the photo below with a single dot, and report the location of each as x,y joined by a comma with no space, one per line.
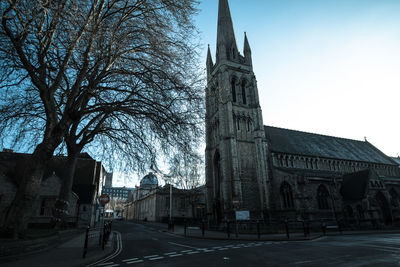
202,228
85,246
287,228
304,228
227,229
258,229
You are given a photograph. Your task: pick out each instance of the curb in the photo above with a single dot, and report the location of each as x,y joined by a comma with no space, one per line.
108,256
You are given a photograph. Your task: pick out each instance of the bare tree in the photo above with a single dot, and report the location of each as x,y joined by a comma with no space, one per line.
92,72
186,170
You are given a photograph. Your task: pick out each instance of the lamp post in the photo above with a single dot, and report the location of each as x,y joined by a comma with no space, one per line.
170,206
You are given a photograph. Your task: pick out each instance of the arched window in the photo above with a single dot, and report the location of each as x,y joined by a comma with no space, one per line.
323,198
286,196
233,85
244,92
394,197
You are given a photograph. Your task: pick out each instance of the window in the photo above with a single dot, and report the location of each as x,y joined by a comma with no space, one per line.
238,124
323,198
46,206
244,92
233,84
248,125
167,202
182,203
394,197
286,196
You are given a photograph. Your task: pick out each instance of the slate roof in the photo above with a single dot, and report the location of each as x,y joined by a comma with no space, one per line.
397,160
310,144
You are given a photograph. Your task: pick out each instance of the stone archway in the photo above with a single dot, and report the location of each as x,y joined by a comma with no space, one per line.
384,207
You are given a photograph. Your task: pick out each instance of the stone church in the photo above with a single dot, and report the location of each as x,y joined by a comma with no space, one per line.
277,173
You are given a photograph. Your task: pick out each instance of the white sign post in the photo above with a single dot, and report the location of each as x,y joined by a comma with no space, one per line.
242,215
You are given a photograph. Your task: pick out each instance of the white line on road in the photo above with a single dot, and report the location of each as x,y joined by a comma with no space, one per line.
112,265
106,263
193,252
216,247
151,256
133,259
222,249
175,255
172,243
156,258
169,253
184,251
130,262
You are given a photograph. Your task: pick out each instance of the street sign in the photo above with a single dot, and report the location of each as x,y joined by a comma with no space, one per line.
235,201
104,199
242,215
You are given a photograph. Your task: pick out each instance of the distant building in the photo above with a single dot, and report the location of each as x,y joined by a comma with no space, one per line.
121,193
152,202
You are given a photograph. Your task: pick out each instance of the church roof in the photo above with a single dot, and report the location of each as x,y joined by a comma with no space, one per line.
317,145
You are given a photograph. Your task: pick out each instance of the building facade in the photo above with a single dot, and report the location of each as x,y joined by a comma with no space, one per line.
277,173
152,202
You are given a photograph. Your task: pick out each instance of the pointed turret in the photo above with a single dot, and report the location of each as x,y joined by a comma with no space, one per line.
209,61
226,42
247,50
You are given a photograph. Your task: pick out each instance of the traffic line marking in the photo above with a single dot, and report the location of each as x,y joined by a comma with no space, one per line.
175,255
184,251
133,259
193,252
156,258
169,253
105,263
151,256
223,249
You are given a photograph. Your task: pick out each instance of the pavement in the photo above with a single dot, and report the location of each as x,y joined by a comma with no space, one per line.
69,253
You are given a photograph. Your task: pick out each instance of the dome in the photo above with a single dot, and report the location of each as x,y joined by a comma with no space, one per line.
150,180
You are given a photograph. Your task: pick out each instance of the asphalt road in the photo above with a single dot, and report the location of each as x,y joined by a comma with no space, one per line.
144,245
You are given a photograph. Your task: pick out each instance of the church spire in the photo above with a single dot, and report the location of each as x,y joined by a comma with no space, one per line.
247,50
226,42
209,61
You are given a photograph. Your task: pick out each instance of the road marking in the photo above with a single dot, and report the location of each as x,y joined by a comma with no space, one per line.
236,247
106,263
208,250
151,256
193,252
117,251
175,255
133,259
112,265
169,253
223,249
184,251
156,258
130,262
216,247
172,243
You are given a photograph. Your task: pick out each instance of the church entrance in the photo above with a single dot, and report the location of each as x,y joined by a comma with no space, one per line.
384,207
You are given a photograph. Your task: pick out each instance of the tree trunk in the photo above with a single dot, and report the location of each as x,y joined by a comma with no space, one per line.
29,174
63,201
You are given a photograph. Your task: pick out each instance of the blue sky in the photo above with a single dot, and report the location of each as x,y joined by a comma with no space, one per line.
330,66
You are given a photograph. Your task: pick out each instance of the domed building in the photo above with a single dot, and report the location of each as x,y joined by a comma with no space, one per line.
149,181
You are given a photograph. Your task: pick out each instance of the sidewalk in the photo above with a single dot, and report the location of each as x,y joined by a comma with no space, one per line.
68,253
195,232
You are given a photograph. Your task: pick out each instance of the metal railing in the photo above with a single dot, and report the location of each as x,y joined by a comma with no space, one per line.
102,233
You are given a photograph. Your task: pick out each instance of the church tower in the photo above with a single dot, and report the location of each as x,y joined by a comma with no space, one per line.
236,148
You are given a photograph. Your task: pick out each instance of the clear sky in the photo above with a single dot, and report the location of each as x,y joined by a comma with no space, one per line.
328,66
